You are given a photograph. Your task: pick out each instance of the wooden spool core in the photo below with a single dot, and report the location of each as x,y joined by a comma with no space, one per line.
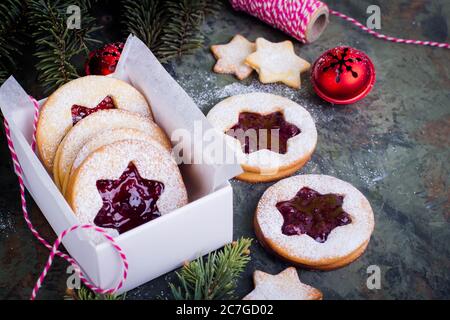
317,24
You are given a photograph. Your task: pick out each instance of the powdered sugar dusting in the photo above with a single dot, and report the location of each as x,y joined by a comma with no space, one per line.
231,57
55,119
109,162
283,286
92,125
277,62
341,242
212,92
225,114
109,137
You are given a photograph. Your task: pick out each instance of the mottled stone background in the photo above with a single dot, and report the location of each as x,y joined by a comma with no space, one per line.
393,145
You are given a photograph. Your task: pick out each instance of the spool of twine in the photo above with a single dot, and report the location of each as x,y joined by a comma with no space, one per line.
305,20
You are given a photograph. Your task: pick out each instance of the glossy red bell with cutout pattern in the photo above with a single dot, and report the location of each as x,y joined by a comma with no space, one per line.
343,75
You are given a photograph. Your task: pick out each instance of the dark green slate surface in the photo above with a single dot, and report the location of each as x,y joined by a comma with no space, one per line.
393,145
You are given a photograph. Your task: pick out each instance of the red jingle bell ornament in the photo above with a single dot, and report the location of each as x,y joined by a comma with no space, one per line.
343,75
104,60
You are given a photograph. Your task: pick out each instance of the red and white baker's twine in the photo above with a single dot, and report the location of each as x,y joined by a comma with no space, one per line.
389,38
54,248
293,17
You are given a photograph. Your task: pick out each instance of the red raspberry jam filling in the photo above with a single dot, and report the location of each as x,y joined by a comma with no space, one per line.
128,201
80,112
268,122
313,213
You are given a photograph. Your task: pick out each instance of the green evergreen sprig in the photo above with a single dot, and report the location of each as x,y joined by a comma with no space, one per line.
85,294
12,13
146,19
216,278
170,28
182,34
56,45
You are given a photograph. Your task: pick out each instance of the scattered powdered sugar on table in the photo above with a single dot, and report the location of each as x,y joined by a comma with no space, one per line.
209,92
255,86
334,123
6,222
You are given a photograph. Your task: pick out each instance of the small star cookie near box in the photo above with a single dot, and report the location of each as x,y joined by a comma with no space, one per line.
277,62
231,57
110,172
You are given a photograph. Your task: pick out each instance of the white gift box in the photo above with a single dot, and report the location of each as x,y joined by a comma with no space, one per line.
161,245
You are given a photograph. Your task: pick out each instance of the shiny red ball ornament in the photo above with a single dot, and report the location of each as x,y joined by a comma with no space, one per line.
343,75
104,60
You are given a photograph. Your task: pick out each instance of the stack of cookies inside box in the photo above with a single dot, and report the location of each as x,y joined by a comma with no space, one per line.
97,138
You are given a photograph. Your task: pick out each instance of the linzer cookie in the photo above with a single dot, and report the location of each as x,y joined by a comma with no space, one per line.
284,286
277,62
87,128
111,136
272,136
125,184
231,57
315,221
77,100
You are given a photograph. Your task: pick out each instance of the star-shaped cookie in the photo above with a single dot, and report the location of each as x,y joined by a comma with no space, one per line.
231,56
284,286
277,62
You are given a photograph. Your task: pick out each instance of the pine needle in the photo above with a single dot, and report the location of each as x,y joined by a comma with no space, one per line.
169,28
85,294
57,46
146,19
182,34
216,278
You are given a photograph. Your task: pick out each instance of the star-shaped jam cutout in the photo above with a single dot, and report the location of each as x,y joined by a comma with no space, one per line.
261,135
128,201
312,213
277,62
80,112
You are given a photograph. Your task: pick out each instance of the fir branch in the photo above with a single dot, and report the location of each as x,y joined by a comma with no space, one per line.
85,294
11,35
57,46
217,277
182,34
146,19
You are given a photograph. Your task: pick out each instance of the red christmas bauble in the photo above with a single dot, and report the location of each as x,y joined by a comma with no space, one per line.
343,75
104,60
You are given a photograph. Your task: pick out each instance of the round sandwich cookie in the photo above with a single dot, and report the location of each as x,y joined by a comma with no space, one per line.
272,136
89,127
315,221
77,100
111,136
125,184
